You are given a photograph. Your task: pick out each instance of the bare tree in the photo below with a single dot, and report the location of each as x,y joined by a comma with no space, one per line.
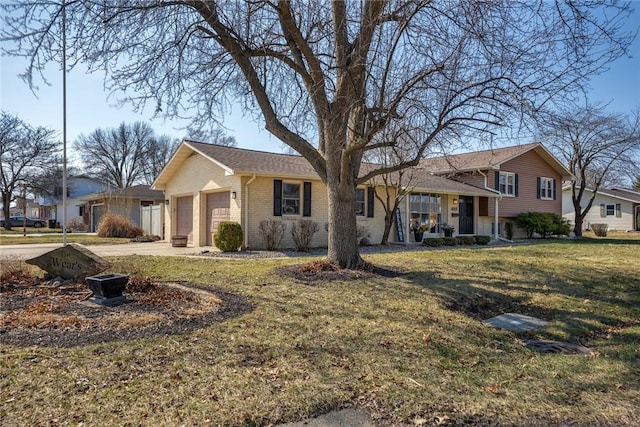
159,152
327,77
24,152
117,155
636,184
597,146
214,135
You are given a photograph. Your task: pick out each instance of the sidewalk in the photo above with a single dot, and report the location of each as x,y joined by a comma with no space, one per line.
137,248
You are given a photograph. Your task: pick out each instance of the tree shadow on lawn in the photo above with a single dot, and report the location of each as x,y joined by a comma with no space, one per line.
484,296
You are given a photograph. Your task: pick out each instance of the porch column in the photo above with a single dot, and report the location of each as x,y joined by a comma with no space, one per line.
495,219
407,223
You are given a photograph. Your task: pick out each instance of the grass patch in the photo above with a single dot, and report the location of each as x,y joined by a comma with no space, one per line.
85,239
408,348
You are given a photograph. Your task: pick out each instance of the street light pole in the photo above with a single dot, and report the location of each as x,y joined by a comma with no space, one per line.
64,123
23,186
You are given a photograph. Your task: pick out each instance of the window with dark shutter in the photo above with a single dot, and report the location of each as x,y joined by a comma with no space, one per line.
277,197
538,187
370,201
515,192
306,211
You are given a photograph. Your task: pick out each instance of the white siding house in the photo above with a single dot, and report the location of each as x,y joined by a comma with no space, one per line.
619,208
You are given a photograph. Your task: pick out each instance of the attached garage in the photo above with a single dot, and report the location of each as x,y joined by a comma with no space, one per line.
218,207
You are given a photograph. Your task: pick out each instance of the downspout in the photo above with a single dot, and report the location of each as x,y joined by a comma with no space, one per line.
246,209
495,213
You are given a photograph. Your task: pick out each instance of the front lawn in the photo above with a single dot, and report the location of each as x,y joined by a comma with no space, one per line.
410,350
12,238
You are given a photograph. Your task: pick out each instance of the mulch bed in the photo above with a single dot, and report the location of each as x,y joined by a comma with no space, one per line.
36,312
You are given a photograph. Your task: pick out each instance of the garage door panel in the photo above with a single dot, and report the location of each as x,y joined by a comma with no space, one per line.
218,210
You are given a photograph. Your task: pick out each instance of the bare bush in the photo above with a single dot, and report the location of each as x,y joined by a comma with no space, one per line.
600,230
118,226
302,232
272,232
77,224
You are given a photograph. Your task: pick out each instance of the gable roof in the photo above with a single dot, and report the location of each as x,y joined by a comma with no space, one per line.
425,181
625,194
491,159
237,161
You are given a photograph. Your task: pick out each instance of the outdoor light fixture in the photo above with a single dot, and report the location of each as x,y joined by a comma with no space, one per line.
455,201
166,202
233,195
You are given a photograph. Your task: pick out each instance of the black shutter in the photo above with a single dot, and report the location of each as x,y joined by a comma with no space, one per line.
537,187
370,201
277,197
498,180
515,184
306,202
554,189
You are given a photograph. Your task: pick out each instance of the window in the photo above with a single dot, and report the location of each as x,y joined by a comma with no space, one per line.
426,209
611,210
290,199
360,201
545,188
507,183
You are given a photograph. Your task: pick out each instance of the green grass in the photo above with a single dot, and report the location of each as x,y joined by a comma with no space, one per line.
410,350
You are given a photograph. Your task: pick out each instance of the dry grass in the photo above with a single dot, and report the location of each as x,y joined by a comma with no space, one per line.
117,226
410,349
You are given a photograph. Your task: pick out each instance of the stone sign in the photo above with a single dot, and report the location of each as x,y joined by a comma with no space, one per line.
72,261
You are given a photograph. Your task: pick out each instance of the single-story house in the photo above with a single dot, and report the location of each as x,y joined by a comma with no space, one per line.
139,203
205,184
619,208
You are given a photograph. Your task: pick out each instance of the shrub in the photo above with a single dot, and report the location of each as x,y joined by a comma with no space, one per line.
434,242
482,240
117,226
272,232
508,230
76,224
543,223
600,230
302,233
229,236
449,241
468,240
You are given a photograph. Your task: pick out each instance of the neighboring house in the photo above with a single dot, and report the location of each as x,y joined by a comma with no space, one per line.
139,203
205,184
619,208
527,177
77,187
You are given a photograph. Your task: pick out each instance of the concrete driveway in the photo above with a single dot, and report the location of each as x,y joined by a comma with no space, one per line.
147,248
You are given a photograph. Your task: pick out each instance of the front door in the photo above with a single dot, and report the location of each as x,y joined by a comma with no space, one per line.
218,205
465,223
184,217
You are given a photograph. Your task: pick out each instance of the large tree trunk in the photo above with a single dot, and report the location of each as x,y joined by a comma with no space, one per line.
6,200
577,229
343,241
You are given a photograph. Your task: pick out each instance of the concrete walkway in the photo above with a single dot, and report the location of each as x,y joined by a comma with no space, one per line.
147,248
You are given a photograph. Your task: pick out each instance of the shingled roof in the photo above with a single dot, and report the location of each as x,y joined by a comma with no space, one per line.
490,160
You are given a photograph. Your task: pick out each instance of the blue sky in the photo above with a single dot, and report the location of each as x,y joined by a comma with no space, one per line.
89,106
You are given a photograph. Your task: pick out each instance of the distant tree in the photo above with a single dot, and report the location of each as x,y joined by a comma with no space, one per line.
48,182
327,77
124,156
24,152
596,145
636,184
160,150
214,135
